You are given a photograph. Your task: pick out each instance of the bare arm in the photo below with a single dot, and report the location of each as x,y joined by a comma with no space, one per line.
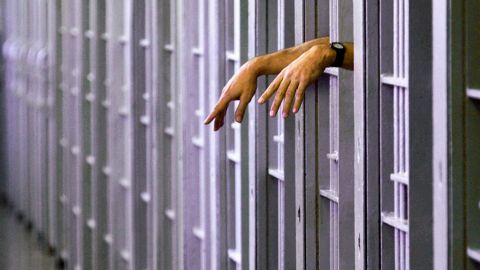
293,80
273,63
306,61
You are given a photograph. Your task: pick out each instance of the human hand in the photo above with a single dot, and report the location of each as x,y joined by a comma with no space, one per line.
294,79
241,86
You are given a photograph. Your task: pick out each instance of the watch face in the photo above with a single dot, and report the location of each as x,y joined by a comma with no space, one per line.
338,45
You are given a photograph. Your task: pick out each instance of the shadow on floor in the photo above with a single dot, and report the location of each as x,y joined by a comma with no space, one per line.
19,248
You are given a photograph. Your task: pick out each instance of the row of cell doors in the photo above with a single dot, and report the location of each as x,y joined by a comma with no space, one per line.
109,159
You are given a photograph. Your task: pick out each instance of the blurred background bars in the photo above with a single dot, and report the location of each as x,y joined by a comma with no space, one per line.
106,157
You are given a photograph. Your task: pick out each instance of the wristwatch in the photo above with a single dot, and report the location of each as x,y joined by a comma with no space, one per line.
340,53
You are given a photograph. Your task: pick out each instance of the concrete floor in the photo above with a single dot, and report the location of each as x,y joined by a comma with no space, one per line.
19,248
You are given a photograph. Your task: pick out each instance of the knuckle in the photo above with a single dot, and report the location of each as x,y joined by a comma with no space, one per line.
289,95
225,89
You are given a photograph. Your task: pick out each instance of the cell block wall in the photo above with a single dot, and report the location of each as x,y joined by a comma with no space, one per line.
110,163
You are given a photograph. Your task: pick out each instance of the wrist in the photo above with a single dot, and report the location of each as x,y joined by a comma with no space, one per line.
325,54
254,66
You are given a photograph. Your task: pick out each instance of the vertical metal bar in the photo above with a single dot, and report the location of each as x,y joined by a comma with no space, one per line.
141,123
65,140
247,241
261,208
216,140
179,98
149,192
119,169
98,73
315,23
419,102
440,134
52,104
302,252
361,179
194,142
166,106
84,203
289,150
457,130
372,169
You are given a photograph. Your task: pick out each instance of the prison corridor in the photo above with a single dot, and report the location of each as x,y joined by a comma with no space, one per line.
106,162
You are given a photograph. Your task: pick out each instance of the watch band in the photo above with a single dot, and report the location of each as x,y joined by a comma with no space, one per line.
340,53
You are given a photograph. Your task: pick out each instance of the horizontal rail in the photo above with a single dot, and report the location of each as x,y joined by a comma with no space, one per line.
393,81
473,254
332,195
473,93
395,222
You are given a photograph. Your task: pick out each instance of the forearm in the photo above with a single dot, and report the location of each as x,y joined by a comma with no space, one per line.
273,63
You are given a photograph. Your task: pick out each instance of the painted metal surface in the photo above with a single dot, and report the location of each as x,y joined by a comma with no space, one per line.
395,134
109,160
472,85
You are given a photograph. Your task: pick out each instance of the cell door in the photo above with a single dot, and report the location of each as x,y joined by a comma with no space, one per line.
167,134
272,144
197,180
144,124
328,128
97,219
118,103
68,187
53,175
394,133
405,147
232,143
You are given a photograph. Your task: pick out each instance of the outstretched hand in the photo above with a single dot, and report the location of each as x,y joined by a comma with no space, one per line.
294,79
241,86
297,67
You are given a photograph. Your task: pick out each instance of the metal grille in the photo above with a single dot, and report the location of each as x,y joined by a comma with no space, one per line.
329,187
272,30
275,187
395,133
233,140
108,158
329,111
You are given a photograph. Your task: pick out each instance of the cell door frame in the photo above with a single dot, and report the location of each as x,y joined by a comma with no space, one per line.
368,34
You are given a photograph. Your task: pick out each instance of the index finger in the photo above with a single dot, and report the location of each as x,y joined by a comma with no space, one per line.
220,106
271,89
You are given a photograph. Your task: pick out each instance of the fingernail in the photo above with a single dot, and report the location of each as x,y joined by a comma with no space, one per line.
295,110
238,119
260,100
284,115
272,113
